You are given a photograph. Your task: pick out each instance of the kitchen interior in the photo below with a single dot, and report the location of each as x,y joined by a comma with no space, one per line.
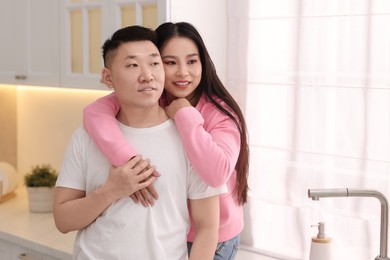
46,80
328,130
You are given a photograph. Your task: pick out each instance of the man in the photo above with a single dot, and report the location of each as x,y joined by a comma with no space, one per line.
93,197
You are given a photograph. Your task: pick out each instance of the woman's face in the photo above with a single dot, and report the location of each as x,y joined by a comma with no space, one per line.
182,66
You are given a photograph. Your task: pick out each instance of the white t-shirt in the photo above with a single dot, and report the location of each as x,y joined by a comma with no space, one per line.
126,230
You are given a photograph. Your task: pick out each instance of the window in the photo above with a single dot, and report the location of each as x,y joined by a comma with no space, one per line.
313,78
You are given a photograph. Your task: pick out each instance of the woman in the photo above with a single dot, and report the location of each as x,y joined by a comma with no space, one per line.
210,122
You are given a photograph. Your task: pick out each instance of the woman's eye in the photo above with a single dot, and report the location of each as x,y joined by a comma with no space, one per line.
192,61
169,62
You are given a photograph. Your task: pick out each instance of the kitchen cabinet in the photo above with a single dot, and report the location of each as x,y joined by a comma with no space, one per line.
26,235
29,48
58,43
12,251
85,25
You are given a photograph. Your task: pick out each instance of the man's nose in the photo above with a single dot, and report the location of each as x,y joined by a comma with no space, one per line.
146,75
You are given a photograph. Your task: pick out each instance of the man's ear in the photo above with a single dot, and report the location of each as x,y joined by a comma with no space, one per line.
106,77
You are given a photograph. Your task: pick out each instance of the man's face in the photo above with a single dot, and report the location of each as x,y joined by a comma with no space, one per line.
137,74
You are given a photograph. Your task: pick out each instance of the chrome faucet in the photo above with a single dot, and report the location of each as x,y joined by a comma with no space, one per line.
316,194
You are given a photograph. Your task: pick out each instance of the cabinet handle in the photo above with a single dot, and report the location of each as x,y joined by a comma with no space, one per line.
24,256
21,77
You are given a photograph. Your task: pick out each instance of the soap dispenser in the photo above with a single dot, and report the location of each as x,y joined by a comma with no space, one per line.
321,245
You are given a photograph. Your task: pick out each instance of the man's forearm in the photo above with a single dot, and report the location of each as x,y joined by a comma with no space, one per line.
78,212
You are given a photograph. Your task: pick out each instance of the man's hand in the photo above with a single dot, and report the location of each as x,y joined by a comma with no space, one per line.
135,175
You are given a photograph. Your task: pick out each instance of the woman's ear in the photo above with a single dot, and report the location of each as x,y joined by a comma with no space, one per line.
106,77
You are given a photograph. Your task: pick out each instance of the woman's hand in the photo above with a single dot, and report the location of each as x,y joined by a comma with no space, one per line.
146,196
175,105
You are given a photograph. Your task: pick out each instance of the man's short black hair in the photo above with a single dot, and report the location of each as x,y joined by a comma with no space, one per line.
128,34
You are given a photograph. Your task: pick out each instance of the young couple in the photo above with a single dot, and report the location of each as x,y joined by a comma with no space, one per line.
186,124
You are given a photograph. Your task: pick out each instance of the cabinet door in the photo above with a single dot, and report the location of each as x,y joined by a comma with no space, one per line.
5,250
41,43
29,47
22,253
11,41
81,38
85,25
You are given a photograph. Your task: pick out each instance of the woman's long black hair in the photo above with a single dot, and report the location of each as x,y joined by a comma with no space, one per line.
212,87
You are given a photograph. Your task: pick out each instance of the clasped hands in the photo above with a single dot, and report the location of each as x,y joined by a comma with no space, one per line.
135,179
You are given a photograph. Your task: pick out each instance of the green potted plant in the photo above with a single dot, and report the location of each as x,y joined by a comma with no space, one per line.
40,183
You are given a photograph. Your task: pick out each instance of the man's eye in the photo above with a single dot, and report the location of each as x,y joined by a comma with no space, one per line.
131,65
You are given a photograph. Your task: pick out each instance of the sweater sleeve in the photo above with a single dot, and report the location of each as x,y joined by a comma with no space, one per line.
212,148
99,119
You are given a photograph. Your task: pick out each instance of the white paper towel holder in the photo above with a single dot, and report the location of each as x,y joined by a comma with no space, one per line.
8,181
6,196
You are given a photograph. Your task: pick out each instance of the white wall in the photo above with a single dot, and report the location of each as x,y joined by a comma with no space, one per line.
46,118
210,18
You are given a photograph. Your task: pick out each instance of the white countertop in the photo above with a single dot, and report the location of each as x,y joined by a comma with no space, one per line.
36,231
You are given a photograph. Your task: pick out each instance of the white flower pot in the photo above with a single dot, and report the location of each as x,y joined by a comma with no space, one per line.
40,199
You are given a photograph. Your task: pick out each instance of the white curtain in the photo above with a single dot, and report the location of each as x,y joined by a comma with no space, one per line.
313,77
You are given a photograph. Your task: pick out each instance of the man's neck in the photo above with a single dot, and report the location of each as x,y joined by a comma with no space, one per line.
142,117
